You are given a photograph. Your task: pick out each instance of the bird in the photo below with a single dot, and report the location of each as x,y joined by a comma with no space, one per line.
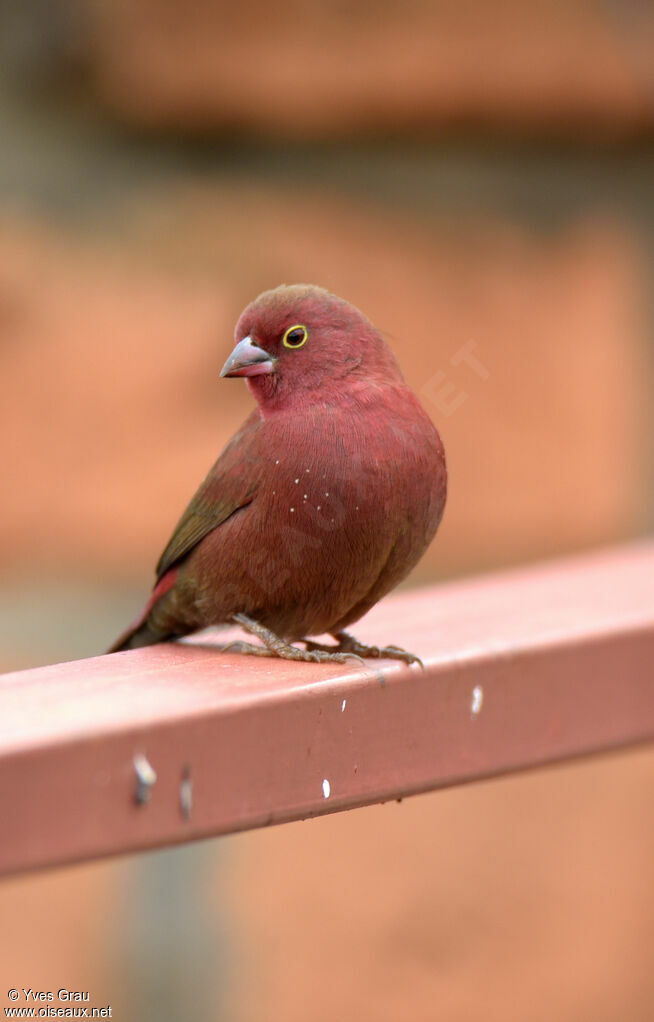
321,503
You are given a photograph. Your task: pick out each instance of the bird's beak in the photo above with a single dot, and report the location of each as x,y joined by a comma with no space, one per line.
248,359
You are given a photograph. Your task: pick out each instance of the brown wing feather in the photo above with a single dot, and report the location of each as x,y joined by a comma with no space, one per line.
230,484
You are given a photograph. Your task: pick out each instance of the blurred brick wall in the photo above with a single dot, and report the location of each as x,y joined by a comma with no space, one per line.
317,69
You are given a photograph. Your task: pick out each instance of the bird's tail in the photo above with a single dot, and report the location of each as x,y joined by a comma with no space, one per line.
143,631
137,635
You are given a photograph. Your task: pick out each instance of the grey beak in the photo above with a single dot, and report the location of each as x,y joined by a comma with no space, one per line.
248,359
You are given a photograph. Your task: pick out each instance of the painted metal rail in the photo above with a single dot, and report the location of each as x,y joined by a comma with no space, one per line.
175,742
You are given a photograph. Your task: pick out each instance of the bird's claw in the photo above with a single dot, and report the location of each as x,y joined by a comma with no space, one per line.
348,644
249,648
330,656
397,653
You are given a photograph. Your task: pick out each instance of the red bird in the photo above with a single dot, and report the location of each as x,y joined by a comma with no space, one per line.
322,502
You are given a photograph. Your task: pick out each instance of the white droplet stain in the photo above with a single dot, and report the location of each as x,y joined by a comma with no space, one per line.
477,699
297,480
326,494
277,462
292,510
319,507
343,705
305,496
306,470
326,788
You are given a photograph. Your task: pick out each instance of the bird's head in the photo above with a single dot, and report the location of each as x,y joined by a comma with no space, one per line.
300,338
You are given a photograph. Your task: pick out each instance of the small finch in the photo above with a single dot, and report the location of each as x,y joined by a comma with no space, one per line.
319,505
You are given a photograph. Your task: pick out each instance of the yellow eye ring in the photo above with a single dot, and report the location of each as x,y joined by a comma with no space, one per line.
296,336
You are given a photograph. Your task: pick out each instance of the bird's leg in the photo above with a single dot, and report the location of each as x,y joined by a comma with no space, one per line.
348,644
274,646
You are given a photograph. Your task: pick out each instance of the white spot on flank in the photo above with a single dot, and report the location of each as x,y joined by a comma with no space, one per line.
343,705
477,699
292,509
305,496
297,480
326,494
306,470
326,788
318,508
277,462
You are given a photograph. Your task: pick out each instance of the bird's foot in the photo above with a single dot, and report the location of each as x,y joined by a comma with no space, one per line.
348,644
248,648
274,646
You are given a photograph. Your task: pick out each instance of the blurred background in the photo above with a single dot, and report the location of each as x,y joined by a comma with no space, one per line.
478,177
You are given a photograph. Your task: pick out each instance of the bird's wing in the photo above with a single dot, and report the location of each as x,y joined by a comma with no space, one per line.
230,485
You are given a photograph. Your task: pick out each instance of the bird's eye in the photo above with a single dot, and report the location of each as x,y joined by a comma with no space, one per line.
295,336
